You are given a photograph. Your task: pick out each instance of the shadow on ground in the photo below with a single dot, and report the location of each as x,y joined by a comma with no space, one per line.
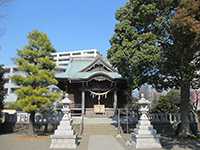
171,143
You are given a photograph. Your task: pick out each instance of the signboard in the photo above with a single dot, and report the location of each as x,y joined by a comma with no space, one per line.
99,108
23,118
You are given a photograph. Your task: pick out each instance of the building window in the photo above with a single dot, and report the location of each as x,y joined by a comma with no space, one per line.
13,90
63,59
63,64
76,53
91,52
66,54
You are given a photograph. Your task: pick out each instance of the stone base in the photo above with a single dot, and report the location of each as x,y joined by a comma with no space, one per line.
146,141
148,145
63,142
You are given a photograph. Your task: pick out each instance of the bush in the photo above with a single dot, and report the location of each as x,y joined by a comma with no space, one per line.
168,103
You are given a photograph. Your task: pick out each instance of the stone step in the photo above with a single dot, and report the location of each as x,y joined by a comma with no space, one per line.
69,133
100,129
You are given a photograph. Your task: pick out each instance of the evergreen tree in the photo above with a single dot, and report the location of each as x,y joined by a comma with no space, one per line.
2,91
158,43
37,73
135,45
180,59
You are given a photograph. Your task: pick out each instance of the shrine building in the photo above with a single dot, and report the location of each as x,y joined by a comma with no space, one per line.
93,84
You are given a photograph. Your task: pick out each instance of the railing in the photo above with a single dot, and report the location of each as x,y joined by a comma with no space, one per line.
127,119
76,109
130,115
169,117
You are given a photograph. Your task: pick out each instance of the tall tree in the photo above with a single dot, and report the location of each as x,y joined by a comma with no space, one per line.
135,45
157,42
2,91
37,73
181,59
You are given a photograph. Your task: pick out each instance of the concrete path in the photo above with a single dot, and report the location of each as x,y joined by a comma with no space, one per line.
105,142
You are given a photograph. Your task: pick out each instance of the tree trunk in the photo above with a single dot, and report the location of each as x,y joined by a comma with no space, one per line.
32,123
185,109
46,128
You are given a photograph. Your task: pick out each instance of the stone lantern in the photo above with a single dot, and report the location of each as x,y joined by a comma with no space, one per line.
144,136
64,137
66,109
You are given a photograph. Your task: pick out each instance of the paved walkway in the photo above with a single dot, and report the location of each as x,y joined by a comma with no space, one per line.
95,137
106,142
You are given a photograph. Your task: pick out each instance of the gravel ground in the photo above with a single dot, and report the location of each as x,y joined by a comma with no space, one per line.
22,142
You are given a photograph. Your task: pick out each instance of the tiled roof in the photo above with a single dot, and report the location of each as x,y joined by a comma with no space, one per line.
75,67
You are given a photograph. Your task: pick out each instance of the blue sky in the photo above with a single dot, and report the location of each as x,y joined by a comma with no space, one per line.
70,24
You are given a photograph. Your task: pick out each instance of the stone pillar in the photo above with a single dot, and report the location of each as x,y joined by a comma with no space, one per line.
115,100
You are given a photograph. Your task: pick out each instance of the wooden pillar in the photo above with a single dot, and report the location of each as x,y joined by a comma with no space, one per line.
82,110
115,101
83,102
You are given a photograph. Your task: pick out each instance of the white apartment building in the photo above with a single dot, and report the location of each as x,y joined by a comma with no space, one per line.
61,59
9,85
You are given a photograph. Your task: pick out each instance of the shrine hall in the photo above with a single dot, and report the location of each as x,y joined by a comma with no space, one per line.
93,85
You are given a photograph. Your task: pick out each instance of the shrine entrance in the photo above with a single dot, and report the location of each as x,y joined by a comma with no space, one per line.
99,99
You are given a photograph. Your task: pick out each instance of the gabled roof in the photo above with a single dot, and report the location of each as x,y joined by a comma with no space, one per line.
99,60
80,69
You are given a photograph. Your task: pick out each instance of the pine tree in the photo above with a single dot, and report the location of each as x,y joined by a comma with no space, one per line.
37,73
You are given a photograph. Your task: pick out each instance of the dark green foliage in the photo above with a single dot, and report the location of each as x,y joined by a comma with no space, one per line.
135,46
2,91
170,103
180,59
35,61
